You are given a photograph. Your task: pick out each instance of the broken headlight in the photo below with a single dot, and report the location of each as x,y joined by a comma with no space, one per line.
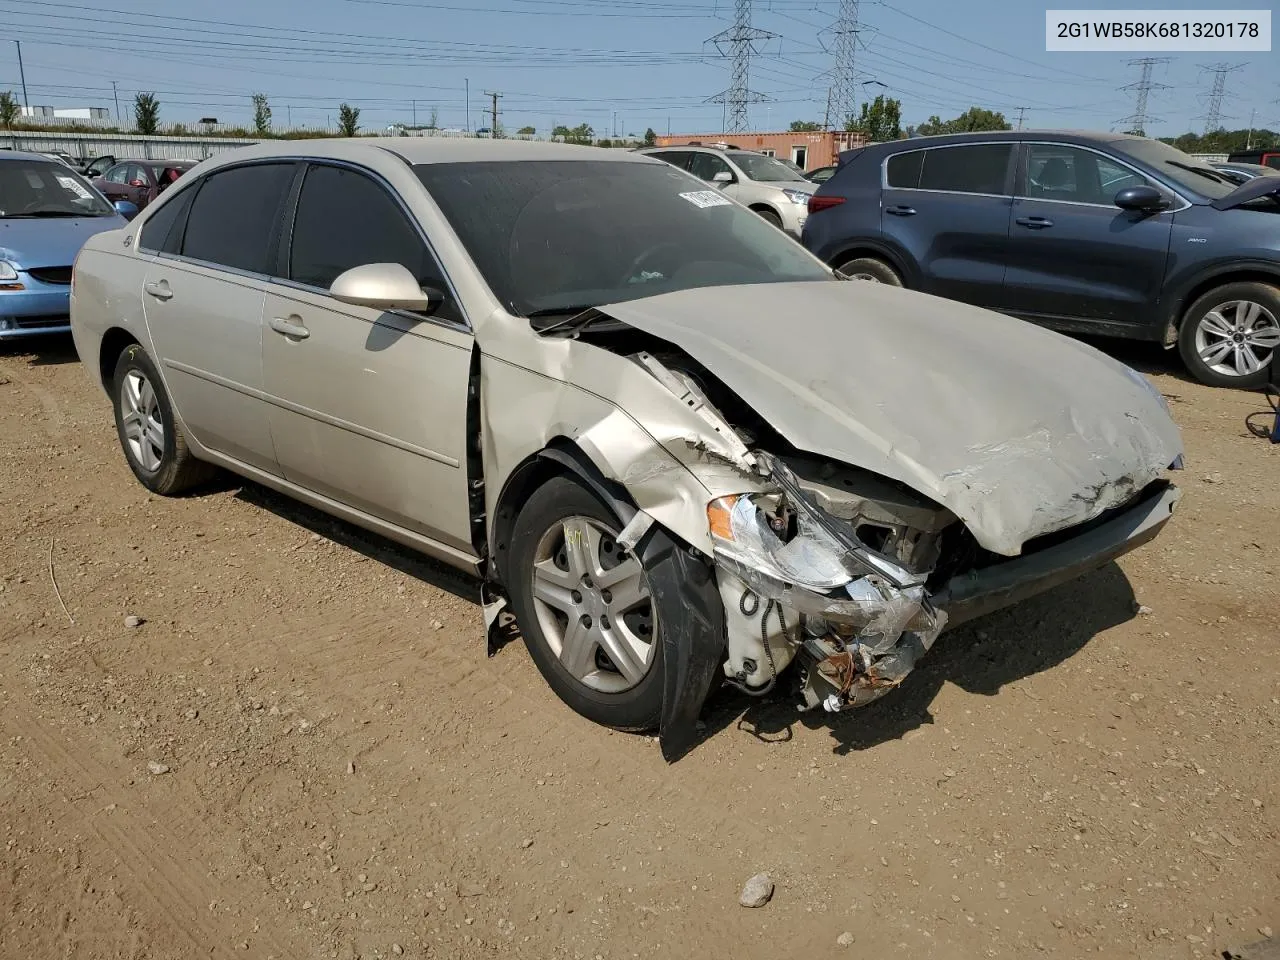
761,532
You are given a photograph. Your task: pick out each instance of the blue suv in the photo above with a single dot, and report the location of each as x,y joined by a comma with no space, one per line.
1085,232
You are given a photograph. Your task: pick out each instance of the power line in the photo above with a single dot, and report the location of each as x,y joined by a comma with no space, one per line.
1213,116
739,41
1138,120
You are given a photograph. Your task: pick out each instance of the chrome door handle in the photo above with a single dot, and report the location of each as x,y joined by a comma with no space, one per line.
290,329
1034,223
901,211
159,290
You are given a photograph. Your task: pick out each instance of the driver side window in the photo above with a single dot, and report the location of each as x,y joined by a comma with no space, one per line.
117,174
707,165
345,219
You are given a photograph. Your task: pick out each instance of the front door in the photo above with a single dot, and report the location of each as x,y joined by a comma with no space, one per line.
1076,256
368,408
946,209
203,298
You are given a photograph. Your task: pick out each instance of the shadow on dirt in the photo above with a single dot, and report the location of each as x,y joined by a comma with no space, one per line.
981,658
44,351
368,544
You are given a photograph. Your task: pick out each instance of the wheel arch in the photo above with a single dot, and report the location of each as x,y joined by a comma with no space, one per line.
561,457
114,343
1240,272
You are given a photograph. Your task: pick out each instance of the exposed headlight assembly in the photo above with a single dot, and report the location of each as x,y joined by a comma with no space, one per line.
750,530
798,197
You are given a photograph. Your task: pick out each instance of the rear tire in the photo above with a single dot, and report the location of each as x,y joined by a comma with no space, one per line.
566,582
154,445
869,268
1229,336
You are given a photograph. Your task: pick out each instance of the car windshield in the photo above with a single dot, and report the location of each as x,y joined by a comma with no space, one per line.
561,236
44,188
767,169
1182,168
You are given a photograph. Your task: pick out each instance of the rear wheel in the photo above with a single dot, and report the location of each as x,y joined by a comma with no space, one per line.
869,268
153,443
1230,335
584,606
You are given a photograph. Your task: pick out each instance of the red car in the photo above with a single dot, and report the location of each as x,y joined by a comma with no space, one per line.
140,181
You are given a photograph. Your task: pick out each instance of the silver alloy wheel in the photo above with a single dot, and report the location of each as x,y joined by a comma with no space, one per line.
1237,338
592,602
861,275
140,414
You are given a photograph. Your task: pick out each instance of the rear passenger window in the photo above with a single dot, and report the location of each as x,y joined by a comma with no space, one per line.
163,230
346,220
903,170
979,168
234,217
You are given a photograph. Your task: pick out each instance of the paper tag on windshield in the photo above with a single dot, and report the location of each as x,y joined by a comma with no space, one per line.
706,198
69,183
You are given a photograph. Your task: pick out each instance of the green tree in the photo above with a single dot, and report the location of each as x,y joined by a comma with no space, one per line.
878,120
805,126
973,119
434,122
348,120
526,131
261,114
9,110
1224,141
650,138
581,134
146,113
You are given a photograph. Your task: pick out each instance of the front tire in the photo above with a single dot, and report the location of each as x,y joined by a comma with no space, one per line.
768,216
584,608
1228,337
153,443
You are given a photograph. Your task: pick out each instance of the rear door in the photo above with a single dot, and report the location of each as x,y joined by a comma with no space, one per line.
1076,256
946,209
203,298
368,407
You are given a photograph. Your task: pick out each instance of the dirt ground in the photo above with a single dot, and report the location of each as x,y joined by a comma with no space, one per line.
303,751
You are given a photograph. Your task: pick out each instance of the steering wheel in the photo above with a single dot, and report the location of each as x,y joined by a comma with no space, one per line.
645,255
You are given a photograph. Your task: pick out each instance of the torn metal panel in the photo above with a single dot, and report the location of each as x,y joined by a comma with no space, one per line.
1015,429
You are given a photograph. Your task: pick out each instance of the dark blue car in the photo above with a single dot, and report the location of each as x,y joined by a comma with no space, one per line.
47,212
1094,233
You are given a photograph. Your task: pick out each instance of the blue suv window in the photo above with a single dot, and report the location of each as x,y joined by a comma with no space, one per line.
903,170
976,168
1061,172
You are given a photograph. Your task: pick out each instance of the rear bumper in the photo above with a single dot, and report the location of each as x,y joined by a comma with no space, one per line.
976,594
40,308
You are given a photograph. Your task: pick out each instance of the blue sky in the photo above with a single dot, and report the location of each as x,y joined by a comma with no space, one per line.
643,62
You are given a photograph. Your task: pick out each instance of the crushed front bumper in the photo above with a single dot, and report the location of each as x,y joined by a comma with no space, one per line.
978,593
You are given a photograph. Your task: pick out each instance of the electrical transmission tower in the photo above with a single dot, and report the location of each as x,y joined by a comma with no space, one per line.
842,99
738,43
1138,120
1213,115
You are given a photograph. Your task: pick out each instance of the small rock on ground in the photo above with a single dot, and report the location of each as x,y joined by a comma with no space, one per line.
157,769
845,939
757,892
397,949
133,621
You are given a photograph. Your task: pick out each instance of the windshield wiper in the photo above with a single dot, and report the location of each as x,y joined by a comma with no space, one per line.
1205,172
575,318
48,213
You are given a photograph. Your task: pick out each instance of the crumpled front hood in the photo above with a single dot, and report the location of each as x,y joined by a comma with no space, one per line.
51,241
1017,430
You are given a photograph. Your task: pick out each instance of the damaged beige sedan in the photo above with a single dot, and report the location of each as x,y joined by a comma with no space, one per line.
668,440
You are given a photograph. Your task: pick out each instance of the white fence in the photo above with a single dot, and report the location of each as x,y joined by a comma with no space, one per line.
120,144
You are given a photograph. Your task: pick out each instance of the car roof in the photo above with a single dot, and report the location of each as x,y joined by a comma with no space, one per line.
25,155
417,150
1082,137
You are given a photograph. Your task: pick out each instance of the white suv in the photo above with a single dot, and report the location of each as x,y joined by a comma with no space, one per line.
777,191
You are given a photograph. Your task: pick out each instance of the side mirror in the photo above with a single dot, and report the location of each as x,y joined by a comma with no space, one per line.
126,209
1144,199
384,286
724,176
